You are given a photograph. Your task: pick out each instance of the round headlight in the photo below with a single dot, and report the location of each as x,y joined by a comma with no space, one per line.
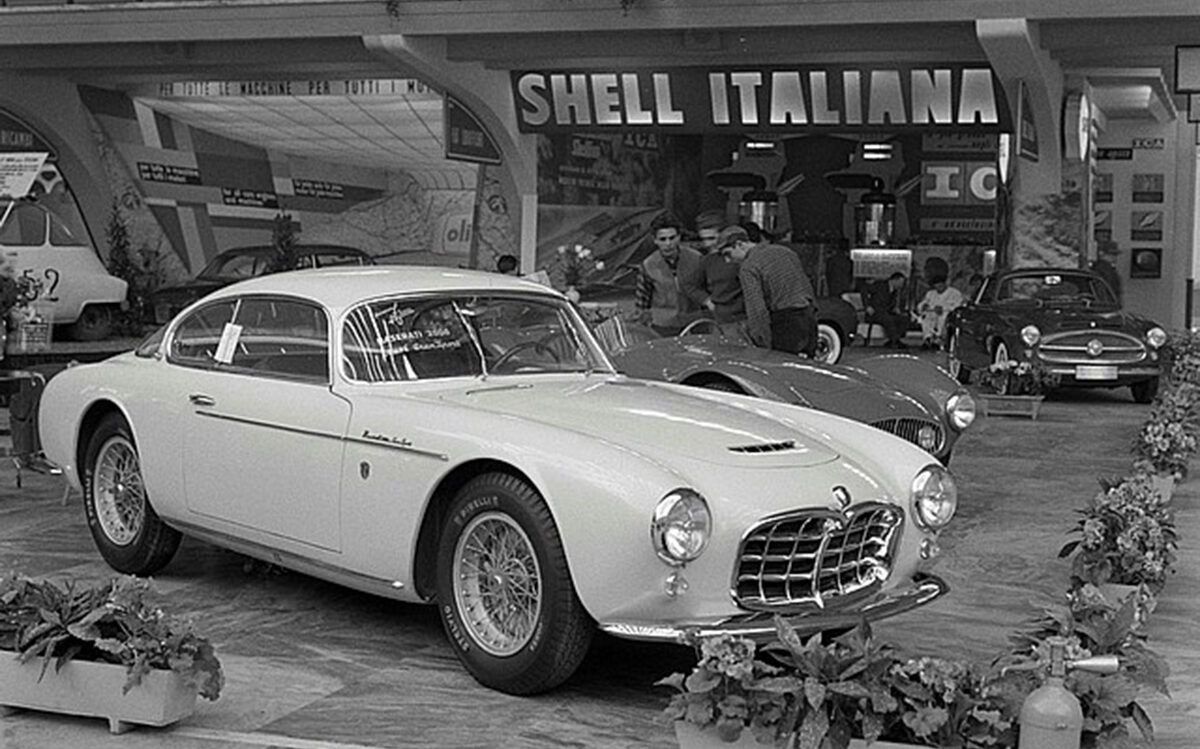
960,409
934,497
1156,337
681,526
927,438
1030,335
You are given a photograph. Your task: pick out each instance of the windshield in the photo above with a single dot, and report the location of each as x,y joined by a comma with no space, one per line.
1056,288
417,338
236,265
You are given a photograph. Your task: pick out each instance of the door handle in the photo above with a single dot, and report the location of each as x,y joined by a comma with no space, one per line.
199,399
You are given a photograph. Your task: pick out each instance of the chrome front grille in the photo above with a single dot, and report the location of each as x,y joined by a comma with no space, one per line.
816,556
1072,348
908,428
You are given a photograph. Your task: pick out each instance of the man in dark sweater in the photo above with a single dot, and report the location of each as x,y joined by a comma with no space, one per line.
884,303
779,298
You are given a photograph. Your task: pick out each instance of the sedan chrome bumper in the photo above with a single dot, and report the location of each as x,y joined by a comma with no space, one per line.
761,625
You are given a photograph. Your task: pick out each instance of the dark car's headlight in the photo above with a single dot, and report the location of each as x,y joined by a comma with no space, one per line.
681,526
1156,337
934,497
960,410
1030,335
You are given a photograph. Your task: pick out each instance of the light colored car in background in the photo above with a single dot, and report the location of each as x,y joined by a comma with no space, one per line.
461,438
77,291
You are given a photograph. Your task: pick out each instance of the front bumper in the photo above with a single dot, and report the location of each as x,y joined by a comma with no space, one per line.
1124,376
760,626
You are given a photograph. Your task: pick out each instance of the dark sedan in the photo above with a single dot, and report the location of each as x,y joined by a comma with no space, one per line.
1068,320
239,264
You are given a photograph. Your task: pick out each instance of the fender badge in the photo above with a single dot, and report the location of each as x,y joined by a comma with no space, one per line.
841,495
364,469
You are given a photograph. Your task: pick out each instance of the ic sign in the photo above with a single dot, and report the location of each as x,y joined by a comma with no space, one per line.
958,182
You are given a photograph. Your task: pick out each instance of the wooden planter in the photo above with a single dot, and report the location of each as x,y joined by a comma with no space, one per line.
94,690
1011,405
1164,484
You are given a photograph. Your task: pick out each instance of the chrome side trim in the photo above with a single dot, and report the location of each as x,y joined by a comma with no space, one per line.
323,570
324,435
761,626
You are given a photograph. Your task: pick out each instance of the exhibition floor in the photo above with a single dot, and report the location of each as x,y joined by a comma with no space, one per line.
313,665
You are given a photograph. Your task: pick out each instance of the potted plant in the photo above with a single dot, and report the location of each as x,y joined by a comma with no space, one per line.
947,703
1126,536
103,651
1168,438
798,692
1092,625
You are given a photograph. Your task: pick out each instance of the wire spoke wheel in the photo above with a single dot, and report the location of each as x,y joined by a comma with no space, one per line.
497,584
120,497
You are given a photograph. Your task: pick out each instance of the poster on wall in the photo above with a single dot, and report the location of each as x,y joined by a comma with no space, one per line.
1148,188
1103,187
1102,225
1145,262
1146,226
1027,136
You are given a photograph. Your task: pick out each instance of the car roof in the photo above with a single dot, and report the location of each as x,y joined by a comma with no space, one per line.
343,286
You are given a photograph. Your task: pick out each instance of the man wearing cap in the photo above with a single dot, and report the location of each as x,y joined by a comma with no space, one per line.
779,298
719,288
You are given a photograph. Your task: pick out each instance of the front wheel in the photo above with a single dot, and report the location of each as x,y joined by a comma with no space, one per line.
504,590
1144,391
128,533
829,344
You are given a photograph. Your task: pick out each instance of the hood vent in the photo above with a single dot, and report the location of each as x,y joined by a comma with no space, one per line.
765,447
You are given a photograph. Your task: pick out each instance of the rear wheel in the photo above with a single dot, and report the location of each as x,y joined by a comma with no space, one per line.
1144,391
829,344
725,386
128,533
95,323
504,590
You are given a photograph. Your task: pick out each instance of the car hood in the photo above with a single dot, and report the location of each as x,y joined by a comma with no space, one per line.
1056,319
654,419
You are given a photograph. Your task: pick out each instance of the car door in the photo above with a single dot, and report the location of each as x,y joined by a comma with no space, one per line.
974,323
265,434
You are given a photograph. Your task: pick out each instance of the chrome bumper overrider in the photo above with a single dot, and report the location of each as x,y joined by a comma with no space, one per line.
761,625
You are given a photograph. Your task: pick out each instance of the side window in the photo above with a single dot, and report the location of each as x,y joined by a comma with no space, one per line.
25,226
408,340
282,337
196,338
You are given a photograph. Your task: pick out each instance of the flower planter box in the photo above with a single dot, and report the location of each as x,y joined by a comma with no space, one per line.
94,690
1011,405
1164,484
691,736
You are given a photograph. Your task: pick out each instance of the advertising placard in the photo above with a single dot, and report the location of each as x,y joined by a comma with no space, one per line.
18,171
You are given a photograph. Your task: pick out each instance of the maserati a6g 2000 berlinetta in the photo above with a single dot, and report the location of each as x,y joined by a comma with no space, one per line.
460,438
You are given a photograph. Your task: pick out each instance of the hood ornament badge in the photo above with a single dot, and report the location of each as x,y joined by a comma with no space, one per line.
841,495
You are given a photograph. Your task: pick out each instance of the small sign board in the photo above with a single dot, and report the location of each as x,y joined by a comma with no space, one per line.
466,138
18,171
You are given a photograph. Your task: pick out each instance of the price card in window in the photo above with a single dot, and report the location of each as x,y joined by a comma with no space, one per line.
229,341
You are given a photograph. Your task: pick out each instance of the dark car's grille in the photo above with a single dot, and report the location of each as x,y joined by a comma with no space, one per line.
1072,348
816,556
910,429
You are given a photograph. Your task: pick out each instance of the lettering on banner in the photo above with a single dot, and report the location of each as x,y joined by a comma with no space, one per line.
175,175
251,198
958,182
312,188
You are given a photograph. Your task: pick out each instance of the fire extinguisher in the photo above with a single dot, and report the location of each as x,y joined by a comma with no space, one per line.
1051,717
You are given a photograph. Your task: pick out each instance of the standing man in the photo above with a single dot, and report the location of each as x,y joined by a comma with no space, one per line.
660,299
779,299
718,286
885,305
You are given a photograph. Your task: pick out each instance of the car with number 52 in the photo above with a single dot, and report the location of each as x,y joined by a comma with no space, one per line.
461,439
1067,320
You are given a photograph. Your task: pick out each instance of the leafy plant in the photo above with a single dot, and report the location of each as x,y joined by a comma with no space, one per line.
111,623
1168,437
139,269
285,240
1093,626
1126,536
947,703
800,692
571,267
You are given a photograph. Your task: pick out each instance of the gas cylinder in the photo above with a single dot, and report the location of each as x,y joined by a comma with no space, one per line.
1051,717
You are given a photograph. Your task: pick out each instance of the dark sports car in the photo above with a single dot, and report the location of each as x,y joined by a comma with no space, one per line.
239,264
898,393
1068,320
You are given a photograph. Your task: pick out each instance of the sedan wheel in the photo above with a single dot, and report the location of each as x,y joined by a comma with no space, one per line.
126,530
999,361
95,323
1144,391
954,364
504,590
829,344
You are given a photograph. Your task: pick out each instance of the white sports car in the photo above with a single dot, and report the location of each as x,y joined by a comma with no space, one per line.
460,438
